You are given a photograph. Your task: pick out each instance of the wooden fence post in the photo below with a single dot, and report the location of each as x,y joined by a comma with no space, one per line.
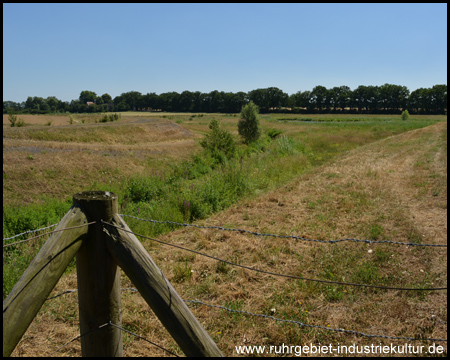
158,292
98,280
98,255
41,276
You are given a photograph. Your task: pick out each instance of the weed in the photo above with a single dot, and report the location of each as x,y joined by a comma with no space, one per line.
222,267
376,232
288,146
182,272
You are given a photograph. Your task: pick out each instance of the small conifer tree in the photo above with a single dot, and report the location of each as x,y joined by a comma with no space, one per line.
405,115
248,125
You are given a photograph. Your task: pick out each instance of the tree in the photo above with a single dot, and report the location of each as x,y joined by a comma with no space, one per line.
405,115
169,101
268,98
150,101
133,99
106,98
219,142
87,96
99,100
439,98
343,99
52,102
393,97
11,106
186,101
320,98
248,125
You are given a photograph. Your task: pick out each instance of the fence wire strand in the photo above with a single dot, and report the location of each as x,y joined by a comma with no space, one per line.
109,323
283,236
309,325
283,320
238,265
140,337
30,231
47,233
78,337
272,273
47,263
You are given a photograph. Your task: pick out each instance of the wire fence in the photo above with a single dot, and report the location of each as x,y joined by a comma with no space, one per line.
272,273
288,321
109,323
30,231
284,236
267,317
47,233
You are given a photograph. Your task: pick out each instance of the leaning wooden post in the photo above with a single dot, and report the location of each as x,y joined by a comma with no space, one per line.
41,276
158,292
98,280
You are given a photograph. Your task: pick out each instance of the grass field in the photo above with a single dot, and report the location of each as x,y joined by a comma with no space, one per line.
325,177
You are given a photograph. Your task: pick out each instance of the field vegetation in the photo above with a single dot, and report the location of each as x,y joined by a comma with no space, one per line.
320,176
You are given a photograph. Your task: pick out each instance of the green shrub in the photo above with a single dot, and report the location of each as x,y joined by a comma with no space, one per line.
219,142
273,133
144,188
405,115
15,122
110,117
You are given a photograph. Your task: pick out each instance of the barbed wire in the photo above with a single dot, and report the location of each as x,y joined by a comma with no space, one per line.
238,265
309,325
47,233
30,231
78,337
48,262
140,337
284,236
109,323
287,321
75,290
276,274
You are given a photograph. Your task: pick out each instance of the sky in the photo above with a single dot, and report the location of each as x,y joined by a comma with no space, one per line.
62,49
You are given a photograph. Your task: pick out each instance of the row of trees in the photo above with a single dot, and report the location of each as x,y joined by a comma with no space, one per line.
387,98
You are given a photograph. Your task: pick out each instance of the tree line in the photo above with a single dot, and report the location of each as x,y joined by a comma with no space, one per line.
384,99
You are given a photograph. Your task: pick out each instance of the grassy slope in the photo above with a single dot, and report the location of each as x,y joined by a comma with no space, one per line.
336,200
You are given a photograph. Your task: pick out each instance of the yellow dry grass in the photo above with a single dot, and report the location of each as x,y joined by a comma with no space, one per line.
110,152
397,185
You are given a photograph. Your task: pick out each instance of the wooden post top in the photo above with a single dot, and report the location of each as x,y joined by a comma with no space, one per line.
99,205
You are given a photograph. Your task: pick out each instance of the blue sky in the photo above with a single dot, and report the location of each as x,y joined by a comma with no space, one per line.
62,49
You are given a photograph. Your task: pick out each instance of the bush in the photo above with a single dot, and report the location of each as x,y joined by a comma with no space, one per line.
405,115
219,142
273,133
248,126
110,117
14,122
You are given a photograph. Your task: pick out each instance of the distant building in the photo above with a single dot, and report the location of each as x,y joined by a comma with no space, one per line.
90,103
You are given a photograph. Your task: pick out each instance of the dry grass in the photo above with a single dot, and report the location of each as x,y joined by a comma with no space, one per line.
394,189
60,161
